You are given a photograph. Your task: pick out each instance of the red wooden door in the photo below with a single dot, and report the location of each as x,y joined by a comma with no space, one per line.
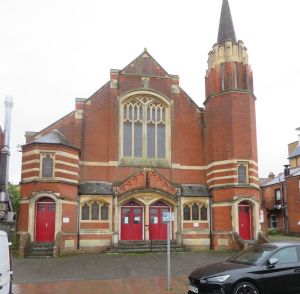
45,220
157,227
245,221
131,223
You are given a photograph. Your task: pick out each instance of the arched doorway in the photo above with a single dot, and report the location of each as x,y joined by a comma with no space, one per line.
245,220
132,219
45,220
157,227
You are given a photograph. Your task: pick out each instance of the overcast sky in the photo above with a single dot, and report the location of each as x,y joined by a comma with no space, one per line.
54,51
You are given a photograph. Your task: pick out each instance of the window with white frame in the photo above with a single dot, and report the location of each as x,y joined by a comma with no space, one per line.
144,125
94,210
277,195
47,165
195,212
242,171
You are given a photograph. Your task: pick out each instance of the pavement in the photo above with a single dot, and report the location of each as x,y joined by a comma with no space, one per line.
109,273
112,273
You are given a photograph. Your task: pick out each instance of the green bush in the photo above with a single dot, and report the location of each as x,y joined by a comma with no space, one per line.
272,232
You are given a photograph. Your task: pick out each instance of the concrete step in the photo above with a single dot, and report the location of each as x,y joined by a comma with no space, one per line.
40,249
146,246
32,256
144,250
146,243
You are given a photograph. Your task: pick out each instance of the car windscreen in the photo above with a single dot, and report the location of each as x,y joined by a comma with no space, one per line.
253,255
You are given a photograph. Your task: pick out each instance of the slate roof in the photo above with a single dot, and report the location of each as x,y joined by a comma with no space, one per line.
54,137
264,181
295,171
194,190
280,178
226,28
276,180
295,152
95,188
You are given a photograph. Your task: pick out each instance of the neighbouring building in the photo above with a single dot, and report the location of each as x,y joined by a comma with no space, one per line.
281,194
139,147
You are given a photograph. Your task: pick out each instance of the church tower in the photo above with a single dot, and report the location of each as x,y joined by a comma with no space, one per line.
232,171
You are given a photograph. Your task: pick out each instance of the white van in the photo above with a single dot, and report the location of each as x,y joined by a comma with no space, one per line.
5,264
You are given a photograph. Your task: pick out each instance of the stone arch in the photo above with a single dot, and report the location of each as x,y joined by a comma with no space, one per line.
131,197
170,201
255,214
32,211
145,199
156,94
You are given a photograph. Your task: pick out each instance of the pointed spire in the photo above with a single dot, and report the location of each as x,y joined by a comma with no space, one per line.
226,28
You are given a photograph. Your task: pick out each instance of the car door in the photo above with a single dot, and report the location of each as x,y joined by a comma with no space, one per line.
284,276
4,264
297,272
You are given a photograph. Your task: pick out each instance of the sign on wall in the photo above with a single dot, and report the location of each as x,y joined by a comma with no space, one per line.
168,216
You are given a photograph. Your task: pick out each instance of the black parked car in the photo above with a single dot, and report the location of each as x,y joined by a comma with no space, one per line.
271,268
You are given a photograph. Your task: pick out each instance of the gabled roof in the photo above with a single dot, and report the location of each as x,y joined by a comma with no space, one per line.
295,152
226,28
148,179
145,65
54,137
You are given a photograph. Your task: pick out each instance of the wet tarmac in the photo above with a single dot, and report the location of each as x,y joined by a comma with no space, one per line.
108,274
153,285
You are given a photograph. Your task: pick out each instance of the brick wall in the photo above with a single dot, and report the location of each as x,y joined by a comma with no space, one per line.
293,195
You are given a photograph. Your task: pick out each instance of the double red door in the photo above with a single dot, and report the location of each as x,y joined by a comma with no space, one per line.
157,227
245,213
131,223
45,220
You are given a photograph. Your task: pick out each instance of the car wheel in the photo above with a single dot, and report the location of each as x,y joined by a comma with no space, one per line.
245,288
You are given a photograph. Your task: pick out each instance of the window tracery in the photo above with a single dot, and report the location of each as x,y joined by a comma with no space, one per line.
144,124
195,212
94,210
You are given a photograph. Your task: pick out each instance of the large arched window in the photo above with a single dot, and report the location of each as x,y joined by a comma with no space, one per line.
144,128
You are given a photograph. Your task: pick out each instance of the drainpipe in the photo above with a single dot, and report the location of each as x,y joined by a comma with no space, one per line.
211,224
78,222
285,198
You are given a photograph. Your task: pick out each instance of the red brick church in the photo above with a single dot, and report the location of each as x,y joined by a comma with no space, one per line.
140,146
